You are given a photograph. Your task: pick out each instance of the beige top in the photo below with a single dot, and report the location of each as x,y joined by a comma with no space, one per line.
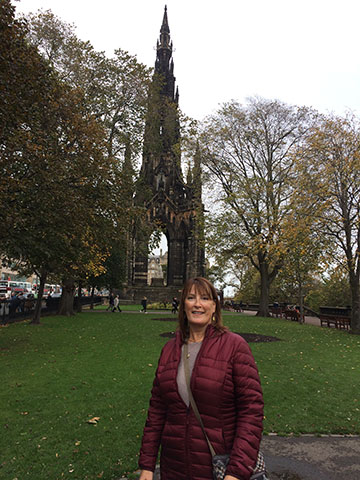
193,351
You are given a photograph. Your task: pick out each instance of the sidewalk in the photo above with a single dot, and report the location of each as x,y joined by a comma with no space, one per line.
310,320
312,458
309,458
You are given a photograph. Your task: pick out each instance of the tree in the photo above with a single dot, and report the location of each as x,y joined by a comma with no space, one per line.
60,191
26,87
115,93
115,89
330,167
249,153
335,288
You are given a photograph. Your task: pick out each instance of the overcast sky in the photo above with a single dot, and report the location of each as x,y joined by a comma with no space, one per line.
301,52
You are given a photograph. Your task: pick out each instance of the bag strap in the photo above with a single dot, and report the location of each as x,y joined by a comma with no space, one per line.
191,398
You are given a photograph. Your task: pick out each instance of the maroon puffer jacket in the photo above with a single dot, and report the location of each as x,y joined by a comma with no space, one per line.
226,388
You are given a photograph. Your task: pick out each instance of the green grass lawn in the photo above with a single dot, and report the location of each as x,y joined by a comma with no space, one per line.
58,375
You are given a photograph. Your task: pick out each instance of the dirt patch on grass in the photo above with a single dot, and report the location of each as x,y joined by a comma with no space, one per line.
249,337
257,338
166,319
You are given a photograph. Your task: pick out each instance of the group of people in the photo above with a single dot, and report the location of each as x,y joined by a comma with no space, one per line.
208,367
114,303
19,303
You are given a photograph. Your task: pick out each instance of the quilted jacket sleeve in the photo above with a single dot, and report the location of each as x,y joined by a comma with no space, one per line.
154,425
249,417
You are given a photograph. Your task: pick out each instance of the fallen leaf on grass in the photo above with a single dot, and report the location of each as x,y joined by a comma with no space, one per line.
93,420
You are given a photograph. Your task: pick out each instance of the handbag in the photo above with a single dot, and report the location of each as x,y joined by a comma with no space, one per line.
219,462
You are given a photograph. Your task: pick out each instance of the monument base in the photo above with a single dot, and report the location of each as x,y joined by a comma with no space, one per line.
152,293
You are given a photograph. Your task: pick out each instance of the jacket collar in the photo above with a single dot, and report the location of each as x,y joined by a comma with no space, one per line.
209,333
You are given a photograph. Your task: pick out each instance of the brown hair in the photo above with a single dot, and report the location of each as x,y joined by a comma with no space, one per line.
203,286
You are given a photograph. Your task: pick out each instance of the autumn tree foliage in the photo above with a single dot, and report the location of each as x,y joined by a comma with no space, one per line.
115,89
115,93
60,194
48,153
249,151
330,172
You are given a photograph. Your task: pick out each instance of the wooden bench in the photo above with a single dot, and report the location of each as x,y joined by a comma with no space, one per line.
342,323
238,307
276,311
294,315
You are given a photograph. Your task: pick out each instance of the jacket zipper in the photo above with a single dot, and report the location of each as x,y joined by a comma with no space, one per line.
187,452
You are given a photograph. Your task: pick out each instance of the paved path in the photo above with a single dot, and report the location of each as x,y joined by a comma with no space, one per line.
310,320
310,457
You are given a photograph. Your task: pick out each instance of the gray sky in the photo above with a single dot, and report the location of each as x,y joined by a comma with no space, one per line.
301,52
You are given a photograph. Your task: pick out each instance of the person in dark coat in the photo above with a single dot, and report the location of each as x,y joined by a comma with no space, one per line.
174,305
144,305
225,385
14,304
111,302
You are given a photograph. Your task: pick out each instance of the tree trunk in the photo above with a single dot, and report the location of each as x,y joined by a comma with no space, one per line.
355,304
37,312
264,291
67,298
92,298
301,303
78,305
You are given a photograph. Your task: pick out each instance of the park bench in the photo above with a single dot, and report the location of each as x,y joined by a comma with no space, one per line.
293,315
336,321
238,307
276,311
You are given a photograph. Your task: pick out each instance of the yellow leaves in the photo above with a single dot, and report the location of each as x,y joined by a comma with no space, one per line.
93,420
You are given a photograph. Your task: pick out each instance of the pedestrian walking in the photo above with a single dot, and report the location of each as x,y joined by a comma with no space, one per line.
144,305
116,304
175,305
111,302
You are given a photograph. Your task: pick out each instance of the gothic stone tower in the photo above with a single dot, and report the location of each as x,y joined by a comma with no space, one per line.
172,205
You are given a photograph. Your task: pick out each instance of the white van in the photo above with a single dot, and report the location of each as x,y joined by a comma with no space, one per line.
8,286
5,289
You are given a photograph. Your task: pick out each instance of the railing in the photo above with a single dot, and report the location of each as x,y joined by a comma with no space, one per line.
27,306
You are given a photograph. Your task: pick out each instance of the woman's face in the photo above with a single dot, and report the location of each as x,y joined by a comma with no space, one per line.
199,308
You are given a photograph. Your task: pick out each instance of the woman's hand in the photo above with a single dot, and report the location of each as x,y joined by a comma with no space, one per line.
230,477
146,475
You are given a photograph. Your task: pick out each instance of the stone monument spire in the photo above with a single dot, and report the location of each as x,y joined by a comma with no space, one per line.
171,203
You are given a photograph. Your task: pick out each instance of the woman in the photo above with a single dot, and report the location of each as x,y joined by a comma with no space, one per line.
226,388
